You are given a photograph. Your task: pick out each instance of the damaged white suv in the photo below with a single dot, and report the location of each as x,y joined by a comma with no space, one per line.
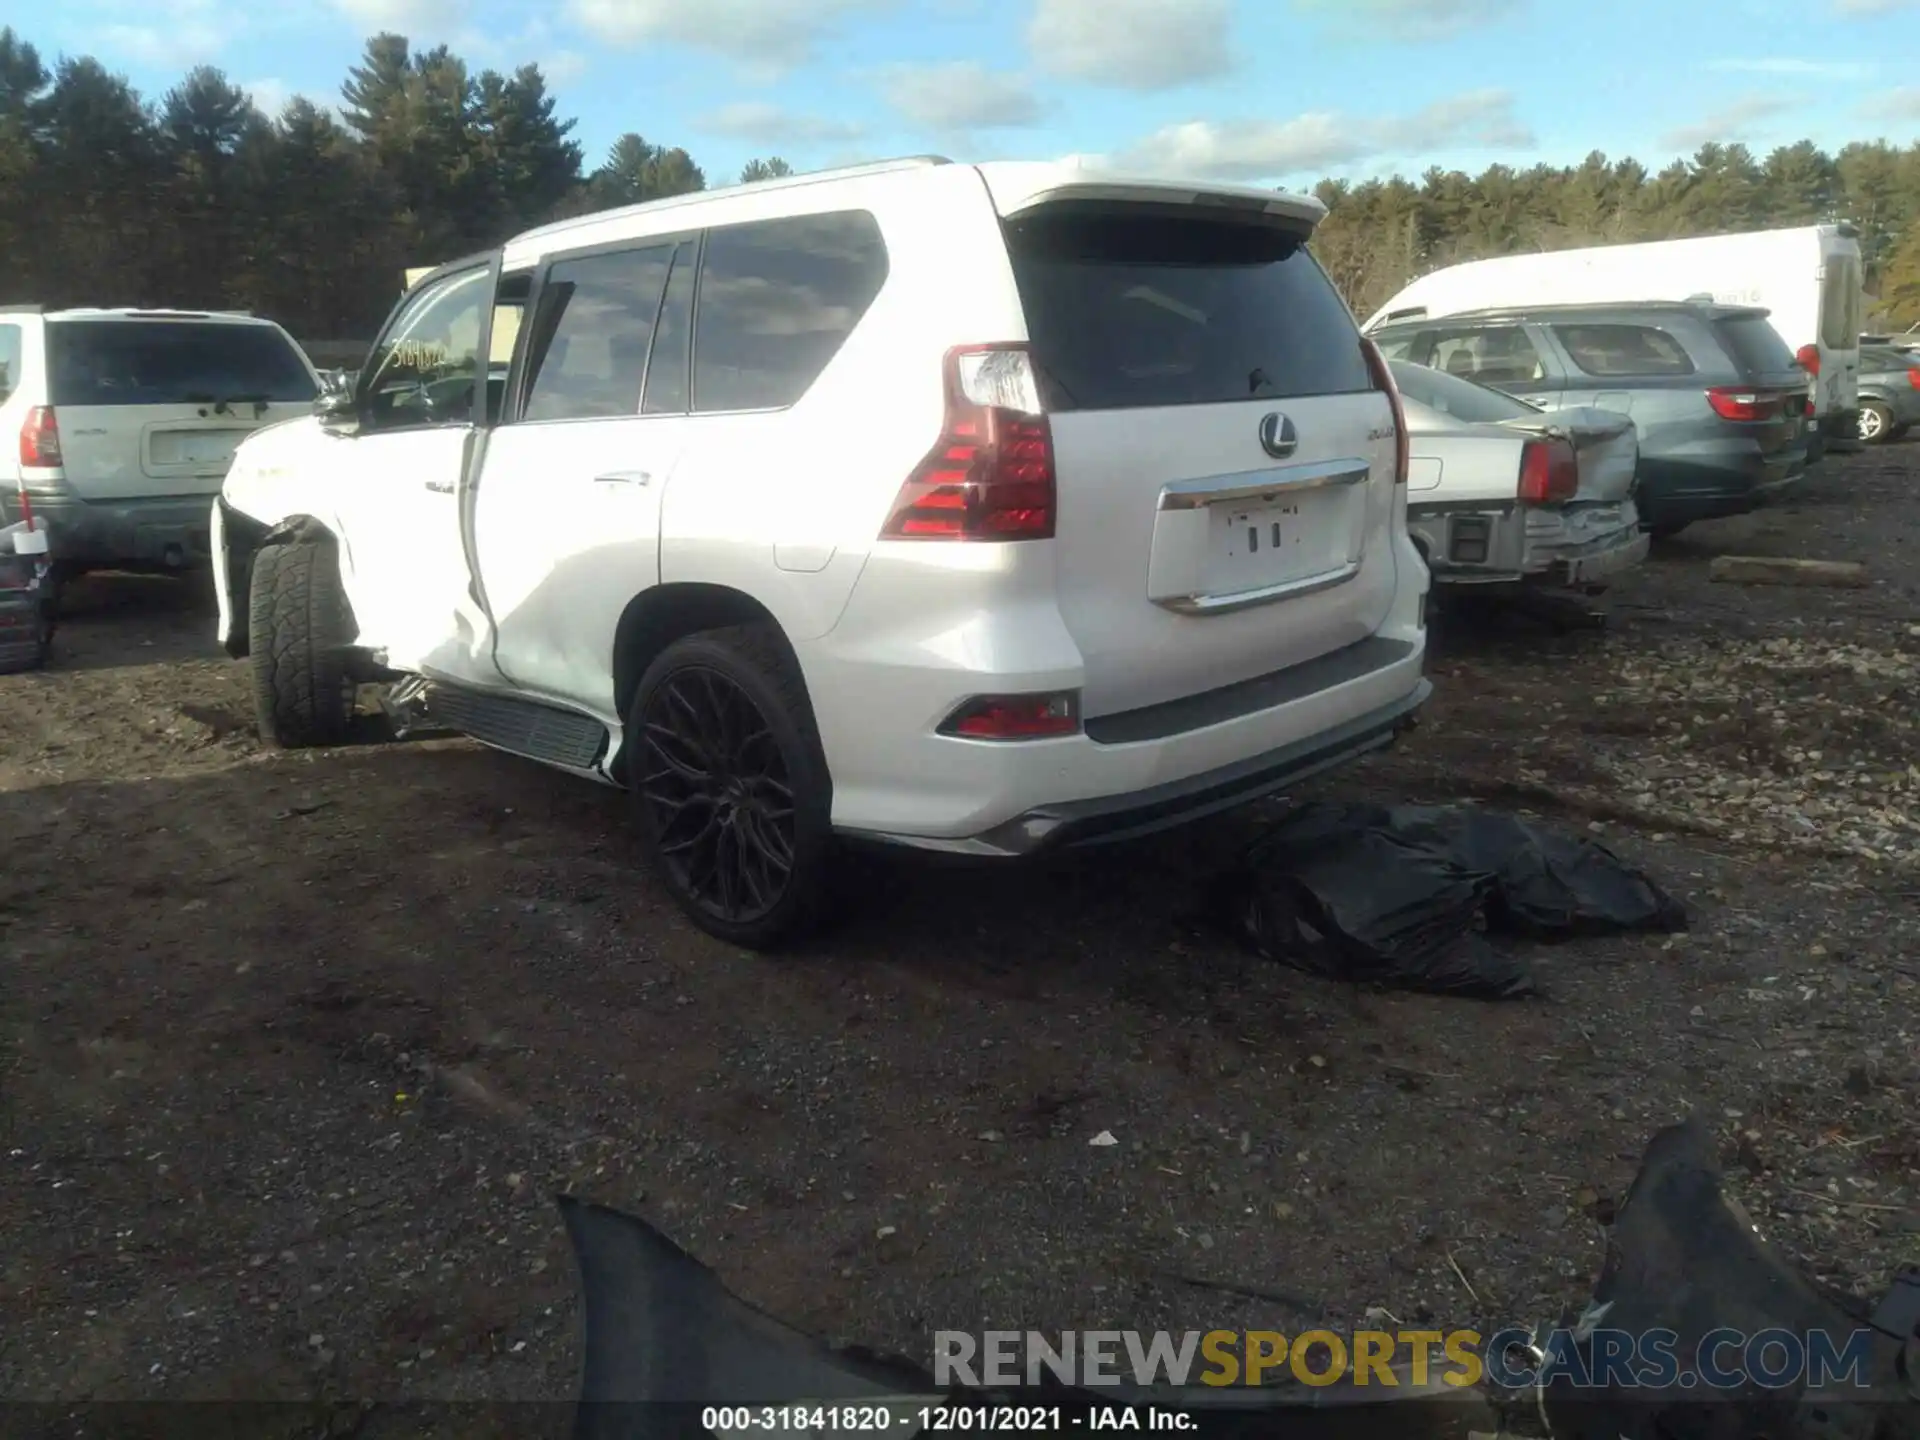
982,509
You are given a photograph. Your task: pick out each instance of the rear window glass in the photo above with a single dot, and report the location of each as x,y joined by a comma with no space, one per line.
1756,347
172,362
1624,350
1133,311
1840,303
1450,395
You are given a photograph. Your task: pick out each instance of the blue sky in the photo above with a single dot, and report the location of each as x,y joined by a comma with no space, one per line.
1279,91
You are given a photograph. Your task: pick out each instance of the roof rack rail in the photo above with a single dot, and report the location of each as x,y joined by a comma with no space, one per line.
782,182
23,309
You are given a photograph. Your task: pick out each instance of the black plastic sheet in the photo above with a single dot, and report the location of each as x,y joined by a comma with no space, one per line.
1684,1262
1406,896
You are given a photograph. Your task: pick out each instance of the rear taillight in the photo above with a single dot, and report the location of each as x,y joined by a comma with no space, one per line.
1730,402
991,476
1549,472
40,439
1383,380
1016,717
1807,357
1913,378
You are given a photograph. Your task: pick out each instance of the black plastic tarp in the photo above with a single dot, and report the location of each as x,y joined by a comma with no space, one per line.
1408,895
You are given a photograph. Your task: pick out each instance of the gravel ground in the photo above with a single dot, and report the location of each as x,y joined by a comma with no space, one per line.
296,1049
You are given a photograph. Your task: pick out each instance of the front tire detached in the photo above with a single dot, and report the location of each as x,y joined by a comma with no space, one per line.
730,787
300,633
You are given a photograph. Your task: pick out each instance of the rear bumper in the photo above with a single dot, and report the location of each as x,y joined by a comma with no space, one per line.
1109,819
1508,545
1707,482
169,533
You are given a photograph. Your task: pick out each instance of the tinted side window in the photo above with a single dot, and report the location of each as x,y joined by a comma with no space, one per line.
589,354
1490,354
423,369
1625,350
1134,310
10,354
672,340
776,301
1401,346
172,362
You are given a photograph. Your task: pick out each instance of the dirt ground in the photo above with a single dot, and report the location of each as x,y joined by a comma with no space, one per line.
296,1049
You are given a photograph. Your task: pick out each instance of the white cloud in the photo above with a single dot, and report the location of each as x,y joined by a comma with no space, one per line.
1858,8
564,65
760,123
1413,21
765,32
177,44
1132,44
269,96
1737,121
412,18
1795,65
1323,140
956,96
1895,104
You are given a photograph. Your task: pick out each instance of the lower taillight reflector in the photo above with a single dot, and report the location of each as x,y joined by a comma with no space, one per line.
1016,717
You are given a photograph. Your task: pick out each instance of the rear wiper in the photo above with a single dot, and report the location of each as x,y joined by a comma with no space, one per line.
1258,380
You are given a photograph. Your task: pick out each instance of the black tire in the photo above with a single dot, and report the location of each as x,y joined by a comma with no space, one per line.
1881,424
758,811
301,634
1667,530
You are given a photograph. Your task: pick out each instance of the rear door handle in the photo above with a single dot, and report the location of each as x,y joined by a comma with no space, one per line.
624,477
440,487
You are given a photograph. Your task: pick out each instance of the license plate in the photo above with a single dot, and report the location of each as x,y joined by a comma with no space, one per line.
190,447
1257,546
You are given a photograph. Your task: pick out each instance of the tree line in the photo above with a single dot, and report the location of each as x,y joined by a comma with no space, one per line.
199,200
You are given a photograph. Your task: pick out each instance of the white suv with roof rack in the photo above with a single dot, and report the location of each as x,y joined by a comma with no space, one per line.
979,509
125,421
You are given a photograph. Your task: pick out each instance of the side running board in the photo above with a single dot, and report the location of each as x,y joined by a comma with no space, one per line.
523,727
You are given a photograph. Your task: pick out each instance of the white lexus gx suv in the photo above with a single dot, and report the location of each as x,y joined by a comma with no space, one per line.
977,508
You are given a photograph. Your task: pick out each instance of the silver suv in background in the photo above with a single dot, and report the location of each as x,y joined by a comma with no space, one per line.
119,425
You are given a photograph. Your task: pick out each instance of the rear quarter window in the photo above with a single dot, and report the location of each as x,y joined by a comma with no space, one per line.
776,300
11,353
172,362
1625,351
1128,311
1754,345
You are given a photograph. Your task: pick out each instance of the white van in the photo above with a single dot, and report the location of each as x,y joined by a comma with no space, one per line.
1809,279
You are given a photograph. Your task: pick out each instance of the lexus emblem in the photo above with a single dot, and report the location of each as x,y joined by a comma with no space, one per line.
1277,437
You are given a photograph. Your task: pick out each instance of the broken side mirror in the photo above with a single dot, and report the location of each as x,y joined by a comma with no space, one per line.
337,404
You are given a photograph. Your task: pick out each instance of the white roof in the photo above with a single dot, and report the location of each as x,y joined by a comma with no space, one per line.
1015,185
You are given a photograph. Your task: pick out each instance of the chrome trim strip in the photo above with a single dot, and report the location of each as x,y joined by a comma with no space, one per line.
1263,484
1265,595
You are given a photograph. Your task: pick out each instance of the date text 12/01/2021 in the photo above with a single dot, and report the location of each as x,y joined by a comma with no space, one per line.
729,1421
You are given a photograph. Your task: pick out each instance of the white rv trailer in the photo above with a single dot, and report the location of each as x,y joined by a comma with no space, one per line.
1809,279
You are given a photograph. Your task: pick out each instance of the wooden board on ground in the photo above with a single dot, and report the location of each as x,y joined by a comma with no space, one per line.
1772,570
